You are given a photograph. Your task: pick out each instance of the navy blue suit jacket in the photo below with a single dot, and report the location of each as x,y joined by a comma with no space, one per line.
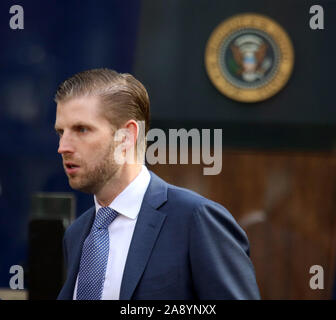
184,246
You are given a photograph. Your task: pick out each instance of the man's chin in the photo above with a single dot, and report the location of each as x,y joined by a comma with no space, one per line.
82,187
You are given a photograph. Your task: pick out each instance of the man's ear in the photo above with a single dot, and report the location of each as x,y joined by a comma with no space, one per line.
127,138
131,133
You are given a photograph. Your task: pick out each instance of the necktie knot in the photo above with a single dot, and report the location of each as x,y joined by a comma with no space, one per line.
104,217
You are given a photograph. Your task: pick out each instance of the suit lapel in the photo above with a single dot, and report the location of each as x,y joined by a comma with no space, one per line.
148,226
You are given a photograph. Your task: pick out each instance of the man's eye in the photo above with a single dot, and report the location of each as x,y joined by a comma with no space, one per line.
82,129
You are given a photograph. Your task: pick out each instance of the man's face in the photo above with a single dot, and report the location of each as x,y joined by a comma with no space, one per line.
86,144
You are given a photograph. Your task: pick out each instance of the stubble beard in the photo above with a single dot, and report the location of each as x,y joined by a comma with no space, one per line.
94,179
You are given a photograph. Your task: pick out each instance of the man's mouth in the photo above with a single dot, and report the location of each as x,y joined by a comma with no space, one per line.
71,167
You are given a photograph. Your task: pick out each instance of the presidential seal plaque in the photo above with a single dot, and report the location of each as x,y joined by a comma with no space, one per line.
249,57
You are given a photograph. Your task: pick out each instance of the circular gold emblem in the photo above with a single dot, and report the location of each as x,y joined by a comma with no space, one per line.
249,57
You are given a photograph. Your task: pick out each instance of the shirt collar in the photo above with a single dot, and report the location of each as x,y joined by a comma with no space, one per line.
129,201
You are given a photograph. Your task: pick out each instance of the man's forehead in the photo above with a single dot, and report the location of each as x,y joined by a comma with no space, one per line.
79,109
88,103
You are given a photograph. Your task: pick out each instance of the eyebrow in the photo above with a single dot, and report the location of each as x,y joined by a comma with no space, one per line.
81,124
77,124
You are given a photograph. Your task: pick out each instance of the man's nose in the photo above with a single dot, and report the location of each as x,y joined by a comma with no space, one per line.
65,145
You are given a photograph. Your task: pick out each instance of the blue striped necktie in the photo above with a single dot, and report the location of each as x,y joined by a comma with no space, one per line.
94,257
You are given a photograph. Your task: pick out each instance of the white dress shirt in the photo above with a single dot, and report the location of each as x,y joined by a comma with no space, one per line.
128,204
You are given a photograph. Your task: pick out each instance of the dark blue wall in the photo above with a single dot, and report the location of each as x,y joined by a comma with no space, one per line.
59,39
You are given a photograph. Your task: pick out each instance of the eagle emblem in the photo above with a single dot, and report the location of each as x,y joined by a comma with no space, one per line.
249,57
249,53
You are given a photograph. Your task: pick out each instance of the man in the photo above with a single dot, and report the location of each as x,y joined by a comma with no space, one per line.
143,238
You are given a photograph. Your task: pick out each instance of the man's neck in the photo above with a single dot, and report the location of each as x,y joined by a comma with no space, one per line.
123,177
